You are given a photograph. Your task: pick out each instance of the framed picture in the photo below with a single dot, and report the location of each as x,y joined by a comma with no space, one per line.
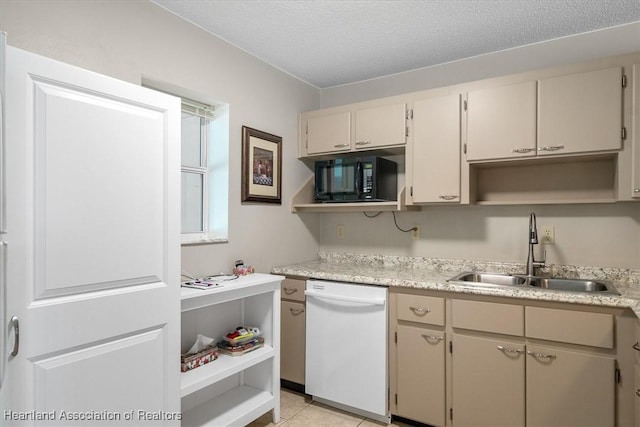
261,166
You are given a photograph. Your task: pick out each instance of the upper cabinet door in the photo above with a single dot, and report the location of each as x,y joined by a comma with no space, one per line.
329,133
383,126
501,122
436,150
580,112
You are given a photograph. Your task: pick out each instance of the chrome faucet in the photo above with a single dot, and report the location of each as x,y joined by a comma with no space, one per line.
533,240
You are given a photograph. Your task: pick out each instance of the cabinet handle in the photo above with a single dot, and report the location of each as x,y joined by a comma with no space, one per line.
363,142
636,346
340,145
420,311
510,350
432,338
447,197
551,148
638,392
523,150
296,311
289,291
541,355
636,190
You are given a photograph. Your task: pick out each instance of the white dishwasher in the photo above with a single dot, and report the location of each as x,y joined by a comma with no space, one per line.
346,349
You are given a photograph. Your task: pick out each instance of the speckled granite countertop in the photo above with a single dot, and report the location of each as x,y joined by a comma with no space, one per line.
433,273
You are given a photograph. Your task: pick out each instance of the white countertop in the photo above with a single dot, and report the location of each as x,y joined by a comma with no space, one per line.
432,274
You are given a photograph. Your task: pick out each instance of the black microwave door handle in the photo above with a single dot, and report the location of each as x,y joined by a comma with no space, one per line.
359,178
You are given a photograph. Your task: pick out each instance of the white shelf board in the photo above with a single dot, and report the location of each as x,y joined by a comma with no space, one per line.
221,368
239,406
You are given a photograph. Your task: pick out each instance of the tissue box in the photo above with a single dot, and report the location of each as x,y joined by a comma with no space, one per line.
192,361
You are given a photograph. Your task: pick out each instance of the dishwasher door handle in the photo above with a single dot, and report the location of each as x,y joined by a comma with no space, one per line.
367,301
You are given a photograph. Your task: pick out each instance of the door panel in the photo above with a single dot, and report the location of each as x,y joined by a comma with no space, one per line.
93,217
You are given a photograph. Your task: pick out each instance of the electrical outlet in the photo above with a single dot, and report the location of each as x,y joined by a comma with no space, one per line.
415,232
548,235
340,231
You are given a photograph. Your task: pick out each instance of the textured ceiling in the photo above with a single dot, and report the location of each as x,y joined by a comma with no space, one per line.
331,42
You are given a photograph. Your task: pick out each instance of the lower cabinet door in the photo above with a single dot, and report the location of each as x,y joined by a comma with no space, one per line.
488,382
421,374
292,341
569,389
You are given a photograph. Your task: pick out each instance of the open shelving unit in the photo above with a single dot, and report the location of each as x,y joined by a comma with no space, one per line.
233,390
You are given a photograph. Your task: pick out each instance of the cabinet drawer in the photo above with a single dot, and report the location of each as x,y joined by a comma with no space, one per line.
421,309
292,289
574,327
488,317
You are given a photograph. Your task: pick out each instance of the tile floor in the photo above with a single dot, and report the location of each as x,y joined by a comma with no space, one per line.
298,410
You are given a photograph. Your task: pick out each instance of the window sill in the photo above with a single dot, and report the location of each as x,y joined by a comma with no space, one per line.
203,242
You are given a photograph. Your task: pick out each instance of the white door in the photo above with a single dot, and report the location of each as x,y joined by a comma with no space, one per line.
93,248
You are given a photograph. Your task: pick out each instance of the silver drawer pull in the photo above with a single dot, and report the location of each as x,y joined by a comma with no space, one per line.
16,332
419,310
636,190
363,142
636,346
510,350
296,311
432,337
340,145
448,197
541,355
523,150
290,291
551,148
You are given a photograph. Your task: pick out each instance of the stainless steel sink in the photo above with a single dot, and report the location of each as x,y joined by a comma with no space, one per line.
573,285
496,279
500,279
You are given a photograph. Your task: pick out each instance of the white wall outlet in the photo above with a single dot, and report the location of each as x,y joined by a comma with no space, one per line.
340,231
548,235
415,232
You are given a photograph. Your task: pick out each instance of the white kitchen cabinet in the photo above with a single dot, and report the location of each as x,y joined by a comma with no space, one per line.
635,150
580,113
501,122
571,114
488,381
569,388
327,133
382,126
293,327
233,390
436,150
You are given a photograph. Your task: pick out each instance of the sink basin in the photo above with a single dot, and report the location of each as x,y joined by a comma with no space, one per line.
497,279
575,285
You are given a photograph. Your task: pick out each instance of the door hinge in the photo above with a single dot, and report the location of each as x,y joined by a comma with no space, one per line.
395,338
617,375
451,347
451,414
411,194
406,131
624,133
410,114
464,148
624,81
465,105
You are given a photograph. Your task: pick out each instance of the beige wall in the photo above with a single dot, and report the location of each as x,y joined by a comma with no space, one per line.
131,39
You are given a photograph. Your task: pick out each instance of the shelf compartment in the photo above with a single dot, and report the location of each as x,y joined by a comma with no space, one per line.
224,367
237,406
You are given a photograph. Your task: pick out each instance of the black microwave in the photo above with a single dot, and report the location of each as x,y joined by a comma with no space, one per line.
353,179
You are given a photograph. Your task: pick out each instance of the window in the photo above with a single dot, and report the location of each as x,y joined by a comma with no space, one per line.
204,172
205,165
